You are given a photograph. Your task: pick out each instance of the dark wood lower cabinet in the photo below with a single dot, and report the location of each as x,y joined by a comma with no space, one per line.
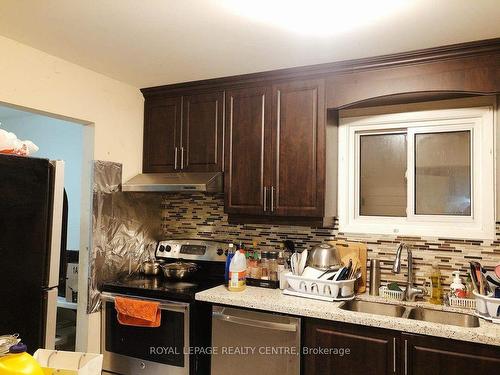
425,355
352,349
348,349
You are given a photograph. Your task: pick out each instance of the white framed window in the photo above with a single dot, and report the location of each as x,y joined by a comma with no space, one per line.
425,173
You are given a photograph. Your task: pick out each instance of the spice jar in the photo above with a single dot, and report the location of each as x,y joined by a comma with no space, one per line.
273,265
264,265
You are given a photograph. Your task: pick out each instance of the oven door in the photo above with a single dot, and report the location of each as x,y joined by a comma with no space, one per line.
131,350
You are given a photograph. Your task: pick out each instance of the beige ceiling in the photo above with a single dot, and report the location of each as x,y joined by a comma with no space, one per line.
154,42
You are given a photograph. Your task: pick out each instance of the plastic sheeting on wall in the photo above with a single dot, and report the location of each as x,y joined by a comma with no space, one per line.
125,229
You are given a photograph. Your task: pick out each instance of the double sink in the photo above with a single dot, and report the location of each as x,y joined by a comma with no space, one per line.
414,313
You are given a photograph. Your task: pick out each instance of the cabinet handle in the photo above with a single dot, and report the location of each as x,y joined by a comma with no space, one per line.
394,354
182,157
265,198
175,158
272,198
406,357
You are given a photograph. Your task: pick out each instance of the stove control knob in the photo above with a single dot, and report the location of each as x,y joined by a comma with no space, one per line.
161,249
168,248
220,251
226,252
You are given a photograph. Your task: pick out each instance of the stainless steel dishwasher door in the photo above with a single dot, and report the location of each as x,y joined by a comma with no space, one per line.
249,342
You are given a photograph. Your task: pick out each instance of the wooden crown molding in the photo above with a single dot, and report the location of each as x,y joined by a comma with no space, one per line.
377,62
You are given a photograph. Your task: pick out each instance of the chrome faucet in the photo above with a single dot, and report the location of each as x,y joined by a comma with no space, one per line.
411,291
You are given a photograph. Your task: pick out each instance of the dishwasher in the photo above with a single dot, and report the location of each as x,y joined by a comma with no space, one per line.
248,342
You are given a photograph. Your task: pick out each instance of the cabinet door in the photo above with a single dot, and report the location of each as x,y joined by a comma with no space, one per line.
162,124
202,121
246,151
299,148
371,350
425,355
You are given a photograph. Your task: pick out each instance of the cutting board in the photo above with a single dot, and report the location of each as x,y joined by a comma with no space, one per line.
355,251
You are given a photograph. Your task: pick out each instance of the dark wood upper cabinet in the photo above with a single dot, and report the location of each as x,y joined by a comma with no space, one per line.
184,133
298,141
247,148
202,132
425,355
275,152
371,350
162,124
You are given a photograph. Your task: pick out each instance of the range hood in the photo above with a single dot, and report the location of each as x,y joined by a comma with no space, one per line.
210,182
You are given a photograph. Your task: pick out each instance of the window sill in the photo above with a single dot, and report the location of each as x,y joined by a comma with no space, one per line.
441,230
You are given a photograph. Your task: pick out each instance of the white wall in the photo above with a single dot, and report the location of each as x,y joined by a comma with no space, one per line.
36,80
57,139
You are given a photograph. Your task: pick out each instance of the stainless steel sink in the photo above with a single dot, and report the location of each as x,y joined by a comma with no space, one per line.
377,308
443,317
415,313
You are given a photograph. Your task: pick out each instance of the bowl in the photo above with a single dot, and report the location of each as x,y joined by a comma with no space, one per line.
324,257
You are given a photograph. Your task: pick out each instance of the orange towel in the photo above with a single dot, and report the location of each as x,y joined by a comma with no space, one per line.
138,313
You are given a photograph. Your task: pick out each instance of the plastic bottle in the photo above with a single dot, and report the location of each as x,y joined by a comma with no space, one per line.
230,254
18,362
237,272
436,287
457,288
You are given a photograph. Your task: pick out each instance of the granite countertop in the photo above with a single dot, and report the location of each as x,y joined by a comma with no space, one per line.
274,300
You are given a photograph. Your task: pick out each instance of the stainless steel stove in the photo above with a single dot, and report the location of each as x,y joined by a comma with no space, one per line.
185,326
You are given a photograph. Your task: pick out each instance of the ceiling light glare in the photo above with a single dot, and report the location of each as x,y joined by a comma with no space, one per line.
315,17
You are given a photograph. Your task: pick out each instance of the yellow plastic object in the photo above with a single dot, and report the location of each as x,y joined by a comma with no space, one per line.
19,364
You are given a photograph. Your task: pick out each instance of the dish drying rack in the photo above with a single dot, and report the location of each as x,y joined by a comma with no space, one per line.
325,290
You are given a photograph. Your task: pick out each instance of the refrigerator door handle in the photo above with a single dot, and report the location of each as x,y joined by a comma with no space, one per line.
56,223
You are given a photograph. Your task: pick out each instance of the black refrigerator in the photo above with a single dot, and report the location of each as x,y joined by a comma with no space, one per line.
31,206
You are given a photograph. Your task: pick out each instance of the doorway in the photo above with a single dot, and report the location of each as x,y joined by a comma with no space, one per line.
71,141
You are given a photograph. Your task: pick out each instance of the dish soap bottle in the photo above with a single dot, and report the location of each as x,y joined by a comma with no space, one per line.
237,272
436,287
457,288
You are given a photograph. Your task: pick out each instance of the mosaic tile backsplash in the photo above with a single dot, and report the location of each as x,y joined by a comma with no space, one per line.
200,215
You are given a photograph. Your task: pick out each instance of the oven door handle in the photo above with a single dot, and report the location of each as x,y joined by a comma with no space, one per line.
164,305
255,323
